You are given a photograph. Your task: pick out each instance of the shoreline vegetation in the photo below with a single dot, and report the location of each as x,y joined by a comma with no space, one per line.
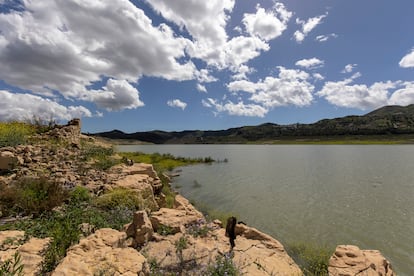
32,199
398,139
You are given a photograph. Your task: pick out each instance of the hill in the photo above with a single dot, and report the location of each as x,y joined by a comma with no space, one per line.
385,121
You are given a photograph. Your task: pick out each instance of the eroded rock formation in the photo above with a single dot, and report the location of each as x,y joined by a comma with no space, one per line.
350,260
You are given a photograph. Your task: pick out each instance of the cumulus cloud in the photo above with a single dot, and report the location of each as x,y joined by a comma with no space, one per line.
236,109
267,24
48,48
347,94
242,72
404,95
323,38
205,21
318,76
241,49
21,107
307,26
407,60
203,75
349,68
310,63
177,103
290,87
201,88
116,95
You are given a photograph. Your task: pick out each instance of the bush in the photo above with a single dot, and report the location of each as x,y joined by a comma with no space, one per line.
15,133
32,196
224,266
312,259
79,194
120,197
101,156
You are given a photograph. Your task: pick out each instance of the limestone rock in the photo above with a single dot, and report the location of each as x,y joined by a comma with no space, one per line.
31,252
175,219
142,184
102,253
350,260
250,257
146,170
8,160
140,229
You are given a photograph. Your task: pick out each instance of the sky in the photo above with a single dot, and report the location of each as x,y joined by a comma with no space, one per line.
177,65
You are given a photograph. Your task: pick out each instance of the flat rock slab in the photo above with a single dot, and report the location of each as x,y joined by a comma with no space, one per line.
103,253
31,251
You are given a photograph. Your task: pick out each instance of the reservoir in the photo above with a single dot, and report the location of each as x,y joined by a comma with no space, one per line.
324,194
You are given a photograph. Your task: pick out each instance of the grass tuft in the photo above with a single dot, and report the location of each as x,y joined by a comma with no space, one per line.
311,258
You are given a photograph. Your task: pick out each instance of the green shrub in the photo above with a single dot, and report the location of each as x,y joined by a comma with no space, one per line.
165,230
101,157
12,267
312,259
15,133
120,197
79,194
31,195
223,266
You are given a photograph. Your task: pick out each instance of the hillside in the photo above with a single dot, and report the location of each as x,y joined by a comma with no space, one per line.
385,121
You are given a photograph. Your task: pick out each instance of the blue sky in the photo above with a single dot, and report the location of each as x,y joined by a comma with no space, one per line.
193,64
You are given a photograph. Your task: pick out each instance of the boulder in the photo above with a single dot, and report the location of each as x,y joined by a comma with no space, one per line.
350,260
8,161
140,229
103,253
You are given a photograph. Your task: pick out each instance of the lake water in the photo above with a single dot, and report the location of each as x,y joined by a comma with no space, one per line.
361,195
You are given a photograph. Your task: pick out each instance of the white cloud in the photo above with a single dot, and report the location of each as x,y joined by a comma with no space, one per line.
203,75
310,63
291,87
177,103
241,49
403,96
65,46
349,68
236,109
267,24
323,38
23,107
307,26
242,71
116,95
318,76
205,21
347,94
407,60
201,88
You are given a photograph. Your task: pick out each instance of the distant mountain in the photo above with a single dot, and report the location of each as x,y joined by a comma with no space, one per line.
383,121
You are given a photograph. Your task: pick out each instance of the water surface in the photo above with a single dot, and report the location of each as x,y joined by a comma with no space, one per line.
362,195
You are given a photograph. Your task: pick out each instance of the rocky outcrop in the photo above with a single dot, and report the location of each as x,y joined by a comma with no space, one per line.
31,251
103,253
141,171
350,260
255,253
140,229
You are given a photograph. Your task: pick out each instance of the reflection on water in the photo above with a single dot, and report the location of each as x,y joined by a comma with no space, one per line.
362,195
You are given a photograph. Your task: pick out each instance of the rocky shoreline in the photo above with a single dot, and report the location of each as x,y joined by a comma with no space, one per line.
177,240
